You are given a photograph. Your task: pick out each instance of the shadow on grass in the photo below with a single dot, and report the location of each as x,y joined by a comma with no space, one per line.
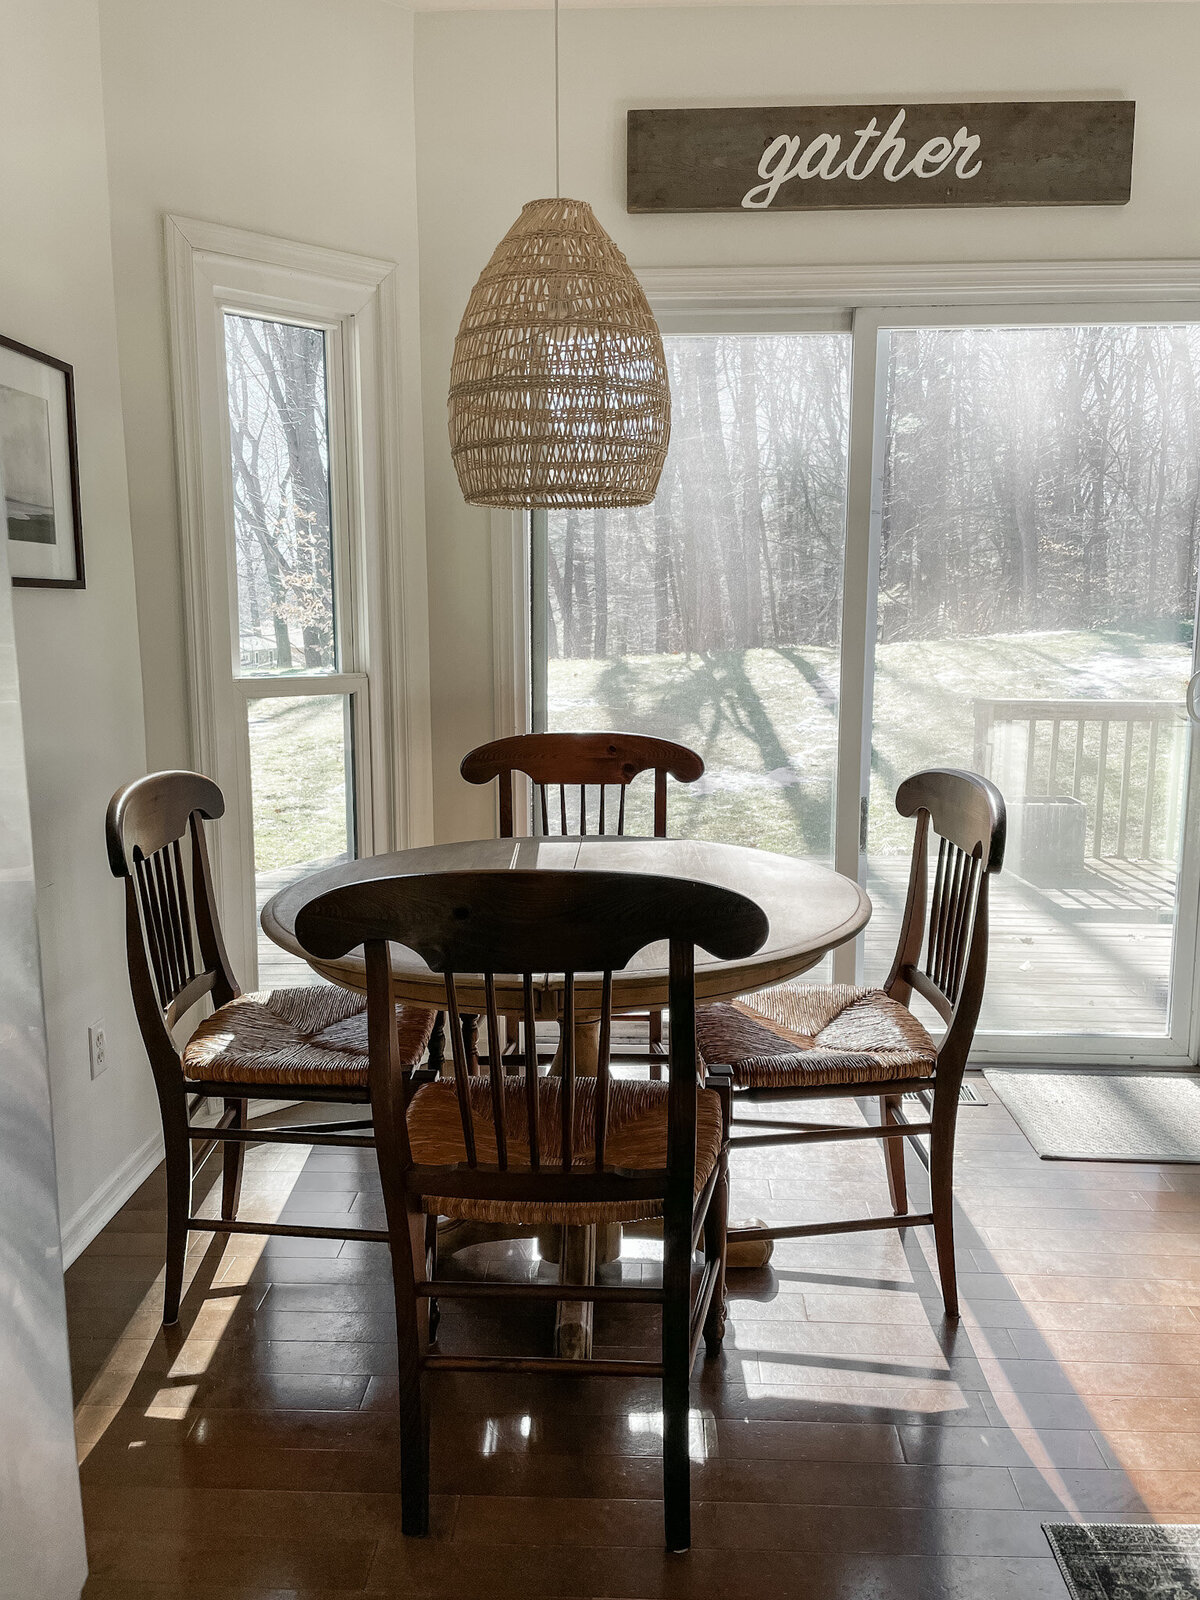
714,692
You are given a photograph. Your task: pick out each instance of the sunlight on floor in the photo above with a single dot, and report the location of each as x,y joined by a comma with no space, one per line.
131,1352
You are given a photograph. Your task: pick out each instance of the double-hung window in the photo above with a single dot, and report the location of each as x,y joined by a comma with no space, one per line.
292,615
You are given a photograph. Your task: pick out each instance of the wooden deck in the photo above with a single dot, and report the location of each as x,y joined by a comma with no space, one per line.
276,968
1093,956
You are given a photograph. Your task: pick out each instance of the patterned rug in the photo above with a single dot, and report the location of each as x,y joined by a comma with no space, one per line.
1127,1561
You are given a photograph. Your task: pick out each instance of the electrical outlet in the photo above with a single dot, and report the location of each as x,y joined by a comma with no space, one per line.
97,1050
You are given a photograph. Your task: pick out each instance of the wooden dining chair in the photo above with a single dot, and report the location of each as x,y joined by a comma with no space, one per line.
563,768
558,763
516,1147
801,1041
304,1043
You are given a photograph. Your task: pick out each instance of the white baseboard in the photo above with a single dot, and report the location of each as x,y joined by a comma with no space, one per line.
96,1213
79,1230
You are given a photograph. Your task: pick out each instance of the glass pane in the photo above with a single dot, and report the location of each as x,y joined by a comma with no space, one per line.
302,788
712,617
279,440
1037,587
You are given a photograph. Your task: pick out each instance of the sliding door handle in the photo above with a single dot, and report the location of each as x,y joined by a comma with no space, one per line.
1193,697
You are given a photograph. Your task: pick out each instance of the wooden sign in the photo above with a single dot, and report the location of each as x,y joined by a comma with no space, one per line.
830,158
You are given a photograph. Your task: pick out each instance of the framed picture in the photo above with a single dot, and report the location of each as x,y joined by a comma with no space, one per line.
39,469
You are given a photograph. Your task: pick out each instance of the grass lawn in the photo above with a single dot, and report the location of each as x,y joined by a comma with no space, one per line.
298,754
765,720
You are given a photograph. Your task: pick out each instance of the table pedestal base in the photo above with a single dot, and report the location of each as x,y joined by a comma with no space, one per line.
586,1249
456,1233
608,1244
741,1254
573,1321
579,1251
744,1253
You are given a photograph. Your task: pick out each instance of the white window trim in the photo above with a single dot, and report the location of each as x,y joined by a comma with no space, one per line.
700,299
389,605
510,623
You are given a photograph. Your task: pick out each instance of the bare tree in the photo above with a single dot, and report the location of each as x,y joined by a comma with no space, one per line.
1031,478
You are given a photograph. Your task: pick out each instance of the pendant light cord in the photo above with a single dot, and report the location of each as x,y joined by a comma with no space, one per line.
557,156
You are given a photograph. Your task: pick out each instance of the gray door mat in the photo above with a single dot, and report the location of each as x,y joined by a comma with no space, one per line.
1103,1115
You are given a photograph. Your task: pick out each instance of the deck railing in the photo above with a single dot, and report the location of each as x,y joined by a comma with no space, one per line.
1121,759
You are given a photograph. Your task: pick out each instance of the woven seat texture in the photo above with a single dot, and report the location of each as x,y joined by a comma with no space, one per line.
801,1034
636,1139
315,1034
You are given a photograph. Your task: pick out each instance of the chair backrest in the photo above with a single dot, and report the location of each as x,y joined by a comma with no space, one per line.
176,955
566,761
942,953
518,1142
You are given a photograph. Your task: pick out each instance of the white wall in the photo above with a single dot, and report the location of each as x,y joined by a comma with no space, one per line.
485,145
286,117
77,650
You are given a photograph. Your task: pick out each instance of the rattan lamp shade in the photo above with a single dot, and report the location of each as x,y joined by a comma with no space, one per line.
558,386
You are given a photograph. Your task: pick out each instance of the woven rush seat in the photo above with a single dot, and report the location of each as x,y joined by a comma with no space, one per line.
314,1034
636,1138
803,1034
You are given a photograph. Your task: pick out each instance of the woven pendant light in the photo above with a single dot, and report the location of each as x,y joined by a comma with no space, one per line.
558,385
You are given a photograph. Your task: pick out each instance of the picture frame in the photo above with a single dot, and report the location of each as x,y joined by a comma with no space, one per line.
39,469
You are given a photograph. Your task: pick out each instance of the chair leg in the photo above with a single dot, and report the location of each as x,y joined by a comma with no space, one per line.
941,1185
510,1032
893,1155
470,1033
716,1245
437,1042
676,1383
178,1149
431,1256
656,1039
233,1158
411,1335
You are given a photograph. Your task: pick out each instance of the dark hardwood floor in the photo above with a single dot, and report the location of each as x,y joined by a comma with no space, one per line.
847,1443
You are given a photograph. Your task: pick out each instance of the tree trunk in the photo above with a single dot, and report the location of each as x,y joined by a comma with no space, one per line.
752,530
600,585
664,539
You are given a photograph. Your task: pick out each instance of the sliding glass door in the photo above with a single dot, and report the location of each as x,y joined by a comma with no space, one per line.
1038,507
934,540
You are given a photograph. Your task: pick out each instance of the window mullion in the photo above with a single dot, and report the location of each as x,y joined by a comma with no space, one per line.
860,575
280,688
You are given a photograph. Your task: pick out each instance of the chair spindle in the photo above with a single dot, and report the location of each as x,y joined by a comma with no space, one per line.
531,1075
461,1069
567,1091
496,1070
603,1074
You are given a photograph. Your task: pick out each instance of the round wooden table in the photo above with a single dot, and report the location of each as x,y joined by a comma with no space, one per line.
811,910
